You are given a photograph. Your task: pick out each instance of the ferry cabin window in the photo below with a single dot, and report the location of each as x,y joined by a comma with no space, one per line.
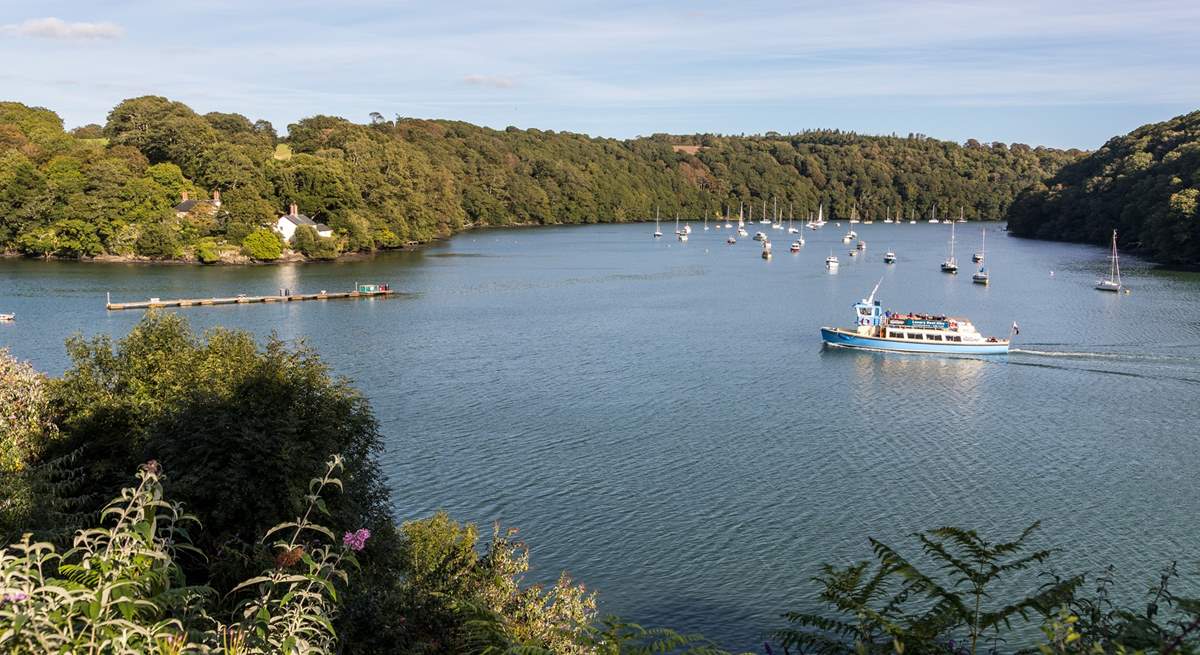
864,311
934,337
916,335
953,338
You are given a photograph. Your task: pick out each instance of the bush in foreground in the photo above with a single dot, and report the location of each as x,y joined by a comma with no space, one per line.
120,589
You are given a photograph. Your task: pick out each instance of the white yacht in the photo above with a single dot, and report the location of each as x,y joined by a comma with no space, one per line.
1113,281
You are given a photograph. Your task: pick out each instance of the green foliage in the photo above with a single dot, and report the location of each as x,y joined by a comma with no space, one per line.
243,426
897,605
263,244
26,430
304,239
393,182
207,251
163,130
25,414
157,241
77,238
961,596
307,242
121,588
1145,185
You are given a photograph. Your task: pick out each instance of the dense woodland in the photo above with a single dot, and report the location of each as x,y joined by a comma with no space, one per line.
1145,185
111,189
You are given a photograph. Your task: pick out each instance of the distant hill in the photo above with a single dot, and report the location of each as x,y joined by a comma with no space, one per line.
1145,185
118,189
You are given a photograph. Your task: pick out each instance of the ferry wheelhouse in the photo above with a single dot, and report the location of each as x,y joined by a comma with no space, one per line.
876,329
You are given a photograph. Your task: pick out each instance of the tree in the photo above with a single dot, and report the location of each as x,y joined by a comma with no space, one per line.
161,129
304,240
76,238
388,183
263,244
1142,184
157,241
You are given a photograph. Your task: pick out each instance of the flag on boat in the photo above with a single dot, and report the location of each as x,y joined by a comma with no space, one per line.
1016,328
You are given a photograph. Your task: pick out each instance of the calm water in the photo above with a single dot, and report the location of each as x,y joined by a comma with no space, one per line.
661,421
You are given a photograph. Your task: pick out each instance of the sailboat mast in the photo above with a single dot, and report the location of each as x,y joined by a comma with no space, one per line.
1115,273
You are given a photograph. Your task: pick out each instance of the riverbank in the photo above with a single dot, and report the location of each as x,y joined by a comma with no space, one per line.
232,256
288,257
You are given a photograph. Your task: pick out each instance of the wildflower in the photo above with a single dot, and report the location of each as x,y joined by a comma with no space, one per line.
288,558
15,597
356,540
152,467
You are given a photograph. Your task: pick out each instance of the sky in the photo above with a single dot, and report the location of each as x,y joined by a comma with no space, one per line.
1062,74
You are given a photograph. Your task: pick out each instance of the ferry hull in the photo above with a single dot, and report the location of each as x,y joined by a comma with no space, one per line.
845,339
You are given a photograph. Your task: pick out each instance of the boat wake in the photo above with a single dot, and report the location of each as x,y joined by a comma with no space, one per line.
1145,357
1105,371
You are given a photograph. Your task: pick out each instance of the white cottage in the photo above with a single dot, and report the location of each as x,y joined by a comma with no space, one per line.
286,225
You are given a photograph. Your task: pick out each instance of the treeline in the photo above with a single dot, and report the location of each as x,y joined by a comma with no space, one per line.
113,189
214,543
1145,185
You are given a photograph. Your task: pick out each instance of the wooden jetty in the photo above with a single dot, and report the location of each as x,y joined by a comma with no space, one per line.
361,291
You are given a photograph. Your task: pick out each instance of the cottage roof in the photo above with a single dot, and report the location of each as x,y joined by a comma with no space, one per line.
186,206
298,219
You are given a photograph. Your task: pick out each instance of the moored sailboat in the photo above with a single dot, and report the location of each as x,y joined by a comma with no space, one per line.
1113,281
951,264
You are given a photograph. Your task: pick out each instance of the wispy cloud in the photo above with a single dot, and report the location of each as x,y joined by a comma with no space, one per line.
493,81
56,28
951,68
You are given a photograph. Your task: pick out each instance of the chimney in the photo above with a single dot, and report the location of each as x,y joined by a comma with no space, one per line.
216,201
294,210
183,196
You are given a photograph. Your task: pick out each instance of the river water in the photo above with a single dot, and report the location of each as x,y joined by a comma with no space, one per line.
660,419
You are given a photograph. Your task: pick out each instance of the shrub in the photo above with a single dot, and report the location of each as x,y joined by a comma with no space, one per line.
26,429
237,231
263,244
157,241
326,248
305,239
385,238
243,426
38,243
207,251
76,238
121,589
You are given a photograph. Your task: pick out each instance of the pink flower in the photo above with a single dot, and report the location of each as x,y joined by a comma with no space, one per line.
15,597
356,540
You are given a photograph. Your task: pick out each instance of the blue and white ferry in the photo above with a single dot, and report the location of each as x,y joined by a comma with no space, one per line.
911,333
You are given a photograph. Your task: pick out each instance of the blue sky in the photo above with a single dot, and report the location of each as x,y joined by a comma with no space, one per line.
1067,74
